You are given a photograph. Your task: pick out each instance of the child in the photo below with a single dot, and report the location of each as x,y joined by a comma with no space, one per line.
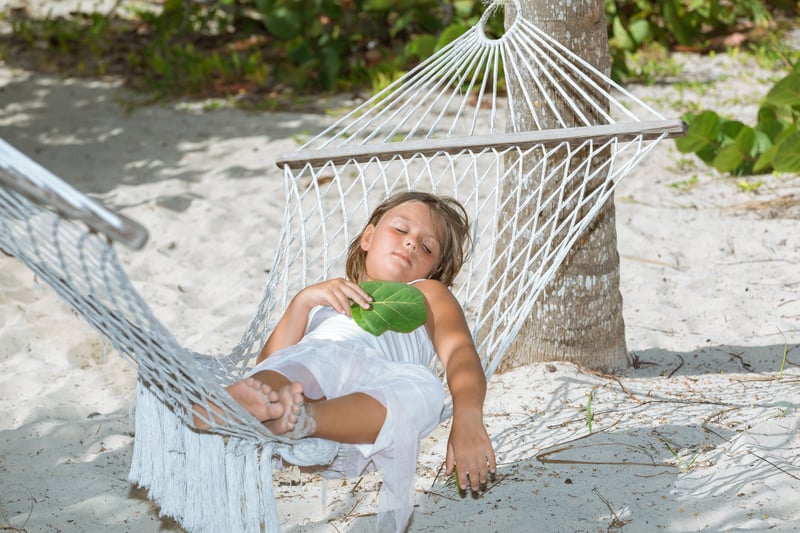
321,375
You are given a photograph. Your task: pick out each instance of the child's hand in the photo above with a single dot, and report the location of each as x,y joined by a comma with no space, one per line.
337,293
470,452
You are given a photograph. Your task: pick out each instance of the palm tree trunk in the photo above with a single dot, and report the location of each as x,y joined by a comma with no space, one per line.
579,318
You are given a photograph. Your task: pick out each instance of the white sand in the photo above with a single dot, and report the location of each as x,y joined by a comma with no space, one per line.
710,281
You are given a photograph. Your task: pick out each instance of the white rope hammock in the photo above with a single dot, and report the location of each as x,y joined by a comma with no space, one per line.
448,127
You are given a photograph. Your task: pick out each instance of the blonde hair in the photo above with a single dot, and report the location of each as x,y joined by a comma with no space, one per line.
455,238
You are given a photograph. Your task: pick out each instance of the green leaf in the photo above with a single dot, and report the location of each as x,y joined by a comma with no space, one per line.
790,130
282,23
767,113
732,157
728,159
463,8
395,306
762,144
675,20
421,46
703,130
786,92
730,130
639,30
621,35
771,128
787,157
331,65
764,161
451,33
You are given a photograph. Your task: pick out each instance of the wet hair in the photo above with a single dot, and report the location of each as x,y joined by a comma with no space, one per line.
455,235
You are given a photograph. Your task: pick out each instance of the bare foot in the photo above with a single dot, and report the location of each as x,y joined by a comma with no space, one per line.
259,400
291,398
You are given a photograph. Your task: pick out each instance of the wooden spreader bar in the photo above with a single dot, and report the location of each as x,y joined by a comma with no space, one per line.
427,147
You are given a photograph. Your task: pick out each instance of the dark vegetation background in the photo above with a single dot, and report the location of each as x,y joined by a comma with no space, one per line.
284,54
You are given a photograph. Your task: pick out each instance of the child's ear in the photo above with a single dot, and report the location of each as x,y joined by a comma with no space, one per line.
366,236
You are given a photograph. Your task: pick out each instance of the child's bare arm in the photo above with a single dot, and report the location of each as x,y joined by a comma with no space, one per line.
337,293
469,449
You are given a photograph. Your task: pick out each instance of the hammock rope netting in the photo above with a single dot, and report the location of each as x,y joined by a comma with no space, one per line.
448,126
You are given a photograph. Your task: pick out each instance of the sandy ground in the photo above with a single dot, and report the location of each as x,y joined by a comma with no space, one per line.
701,434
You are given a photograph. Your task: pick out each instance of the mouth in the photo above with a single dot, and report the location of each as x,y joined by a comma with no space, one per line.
403,257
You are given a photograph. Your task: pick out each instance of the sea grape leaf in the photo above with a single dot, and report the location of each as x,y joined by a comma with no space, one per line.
395,306
639,30
729,130
771,127
785,92
703,131
733,156
764,161
787,156
763,143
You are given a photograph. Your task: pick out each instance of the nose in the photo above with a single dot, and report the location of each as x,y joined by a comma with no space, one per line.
411,243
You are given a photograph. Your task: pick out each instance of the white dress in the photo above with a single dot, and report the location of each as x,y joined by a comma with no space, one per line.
335,358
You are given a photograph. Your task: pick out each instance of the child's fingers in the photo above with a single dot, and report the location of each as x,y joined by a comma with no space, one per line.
340,293
476,474
357,295
449,461
471,472
458,468
338,299
490,457
362,298
477,477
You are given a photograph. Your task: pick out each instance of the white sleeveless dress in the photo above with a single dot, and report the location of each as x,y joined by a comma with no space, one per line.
335,358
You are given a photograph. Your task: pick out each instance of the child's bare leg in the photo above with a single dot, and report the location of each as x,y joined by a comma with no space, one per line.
353,419
258,398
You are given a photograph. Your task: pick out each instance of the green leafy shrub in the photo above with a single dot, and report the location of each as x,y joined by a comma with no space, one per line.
771,145
197,48
637,25
192,48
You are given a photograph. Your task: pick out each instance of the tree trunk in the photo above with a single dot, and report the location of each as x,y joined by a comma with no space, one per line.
579,316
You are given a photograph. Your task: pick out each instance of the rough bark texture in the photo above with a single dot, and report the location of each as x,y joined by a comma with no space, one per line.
579,318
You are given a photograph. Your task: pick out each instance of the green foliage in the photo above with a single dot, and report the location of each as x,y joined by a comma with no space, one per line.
84,35
176,48
395,307
328,44
771,145
637,25
190,48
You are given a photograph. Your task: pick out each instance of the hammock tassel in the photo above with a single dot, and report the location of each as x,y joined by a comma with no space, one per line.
197,478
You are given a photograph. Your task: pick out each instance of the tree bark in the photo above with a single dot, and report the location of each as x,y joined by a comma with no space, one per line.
579,316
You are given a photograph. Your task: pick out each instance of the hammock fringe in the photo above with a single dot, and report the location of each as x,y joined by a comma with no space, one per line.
198,479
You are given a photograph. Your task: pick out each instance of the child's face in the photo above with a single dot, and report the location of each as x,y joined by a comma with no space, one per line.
404,245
